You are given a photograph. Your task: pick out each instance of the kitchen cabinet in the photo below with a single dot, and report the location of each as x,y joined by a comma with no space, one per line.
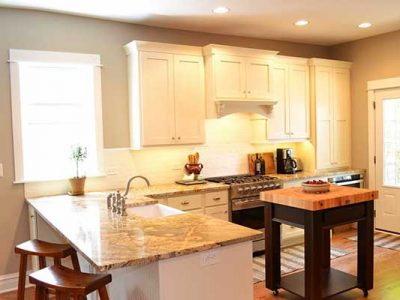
237,75
290,117
167,100
330,95
214,204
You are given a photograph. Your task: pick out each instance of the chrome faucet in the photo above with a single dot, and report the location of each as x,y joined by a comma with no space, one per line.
129,183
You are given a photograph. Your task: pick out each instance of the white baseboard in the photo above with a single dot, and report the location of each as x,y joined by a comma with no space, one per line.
9,282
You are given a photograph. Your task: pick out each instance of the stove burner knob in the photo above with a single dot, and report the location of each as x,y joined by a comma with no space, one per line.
240,190
246,189
259,188
253,188
267,186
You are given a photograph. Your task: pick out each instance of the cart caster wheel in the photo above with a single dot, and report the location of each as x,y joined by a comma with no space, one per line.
275,292
365,293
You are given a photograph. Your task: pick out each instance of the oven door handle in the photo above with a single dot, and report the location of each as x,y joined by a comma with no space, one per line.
361,181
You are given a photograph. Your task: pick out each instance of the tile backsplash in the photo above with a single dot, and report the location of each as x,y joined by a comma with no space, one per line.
224,153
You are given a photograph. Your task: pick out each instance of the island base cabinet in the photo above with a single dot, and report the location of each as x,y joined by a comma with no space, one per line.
210,274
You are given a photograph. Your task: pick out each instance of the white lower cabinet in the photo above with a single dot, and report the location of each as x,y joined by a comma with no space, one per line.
213,204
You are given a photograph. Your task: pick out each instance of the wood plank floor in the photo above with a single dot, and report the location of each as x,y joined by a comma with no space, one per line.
387,275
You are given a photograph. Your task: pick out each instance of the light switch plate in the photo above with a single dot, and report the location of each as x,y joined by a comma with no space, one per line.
1,170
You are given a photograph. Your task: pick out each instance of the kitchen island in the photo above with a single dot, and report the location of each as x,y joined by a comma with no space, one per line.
317,214
181,256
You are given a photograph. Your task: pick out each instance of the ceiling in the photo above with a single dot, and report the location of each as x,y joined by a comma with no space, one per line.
331,21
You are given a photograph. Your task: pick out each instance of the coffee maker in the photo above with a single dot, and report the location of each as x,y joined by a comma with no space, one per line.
285,164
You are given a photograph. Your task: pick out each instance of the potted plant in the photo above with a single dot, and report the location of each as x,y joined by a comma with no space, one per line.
77,183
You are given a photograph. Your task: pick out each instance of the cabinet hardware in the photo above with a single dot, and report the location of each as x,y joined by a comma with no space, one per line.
173,138
249,92
179,137
217,198
185,202
244,92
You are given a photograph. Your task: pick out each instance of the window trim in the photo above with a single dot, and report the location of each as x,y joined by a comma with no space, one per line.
16,56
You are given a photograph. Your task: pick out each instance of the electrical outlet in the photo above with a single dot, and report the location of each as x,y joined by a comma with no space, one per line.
1,170
111,171
210,258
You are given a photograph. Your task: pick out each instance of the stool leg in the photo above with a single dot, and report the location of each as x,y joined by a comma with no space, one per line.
22,277
40,293
75,262
103,293
42,262
57,261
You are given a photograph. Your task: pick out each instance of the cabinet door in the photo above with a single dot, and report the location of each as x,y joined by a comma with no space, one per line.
258,79
189,99
299,102
219,212
324,126
157,99
230,78
278,120
341,117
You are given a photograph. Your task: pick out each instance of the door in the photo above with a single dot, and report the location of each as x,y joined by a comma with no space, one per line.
258,79
157,98
189,99
278,120
324,126
341,117
299,102
230,77
387,128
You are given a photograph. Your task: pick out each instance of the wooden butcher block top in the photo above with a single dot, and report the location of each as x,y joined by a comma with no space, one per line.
336,197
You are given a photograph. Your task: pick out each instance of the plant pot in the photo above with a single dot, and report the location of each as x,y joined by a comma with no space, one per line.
77,186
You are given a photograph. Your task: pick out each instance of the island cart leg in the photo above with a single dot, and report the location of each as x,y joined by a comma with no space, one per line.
326,248
272,250
313,244
365,259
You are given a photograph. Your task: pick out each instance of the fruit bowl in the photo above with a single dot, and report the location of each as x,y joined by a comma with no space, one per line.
316,186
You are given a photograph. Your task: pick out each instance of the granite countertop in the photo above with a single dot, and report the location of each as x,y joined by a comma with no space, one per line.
172,189
336,197
316,174
108,241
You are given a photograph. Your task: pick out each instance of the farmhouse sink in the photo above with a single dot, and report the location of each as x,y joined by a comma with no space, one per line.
154,211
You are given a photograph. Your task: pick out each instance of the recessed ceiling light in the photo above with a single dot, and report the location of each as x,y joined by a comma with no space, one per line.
221,10
364,25
301,23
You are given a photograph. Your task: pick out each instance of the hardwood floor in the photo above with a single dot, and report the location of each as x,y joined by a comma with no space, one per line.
386,285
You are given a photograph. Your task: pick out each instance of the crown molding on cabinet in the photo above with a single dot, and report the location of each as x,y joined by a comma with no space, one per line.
321,62
147,46
213,49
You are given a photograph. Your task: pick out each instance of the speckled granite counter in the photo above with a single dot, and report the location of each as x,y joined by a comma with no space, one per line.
316,174
108,241
172,189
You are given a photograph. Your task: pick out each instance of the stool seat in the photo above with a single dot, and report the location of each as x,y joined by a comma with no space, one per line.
42,248
65,280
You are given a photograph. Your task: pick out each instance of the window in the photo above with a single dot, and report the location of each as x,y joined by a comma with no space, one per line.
56,104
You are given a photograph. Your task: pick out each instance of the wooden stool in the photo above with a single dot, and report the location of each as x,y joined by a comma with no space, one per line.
43,250
67,283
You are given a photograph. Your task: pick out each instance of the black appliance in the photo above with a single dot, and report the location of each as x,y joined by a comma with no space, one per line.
285,164
245,206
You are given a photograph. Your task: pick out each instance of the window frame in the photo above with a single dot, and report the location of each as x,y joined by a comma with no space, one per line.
17,56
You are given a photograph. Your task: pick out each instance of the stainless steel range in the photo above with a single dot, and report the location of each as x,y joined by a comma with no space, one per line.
245,206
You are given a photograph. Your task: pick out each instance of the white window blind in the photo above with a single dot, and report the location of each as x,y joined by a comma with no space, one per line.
56,105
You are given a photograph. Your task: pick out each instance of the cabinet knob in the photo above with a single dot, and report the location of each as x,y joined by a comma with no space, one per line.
179,137
244,92
249,92
173,138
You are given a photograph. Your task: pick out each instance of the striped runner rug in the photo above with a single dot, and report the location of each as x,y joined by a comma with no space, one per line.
292,259
383,240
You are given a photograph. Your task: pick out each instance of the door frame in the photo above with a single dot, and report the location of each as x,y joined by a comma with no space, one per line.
372,87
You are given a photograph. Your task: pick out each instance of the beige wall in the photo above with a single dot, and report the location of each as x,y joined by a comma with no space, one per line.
373,58
23,29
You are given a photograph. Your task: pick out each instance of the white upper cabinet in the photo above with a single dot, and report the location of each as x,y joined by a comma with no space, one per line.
167,100
289,119
330,82
237,75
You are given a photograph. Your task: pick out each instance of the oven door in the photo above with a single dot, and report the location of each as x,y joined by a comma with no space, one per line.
249,217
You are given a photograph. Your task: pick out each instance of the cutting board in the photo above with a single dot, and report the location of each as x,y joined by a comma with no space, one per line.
269,162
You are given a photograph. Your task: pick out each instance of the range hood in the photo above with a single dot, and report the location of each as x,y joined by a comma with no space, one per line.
263,107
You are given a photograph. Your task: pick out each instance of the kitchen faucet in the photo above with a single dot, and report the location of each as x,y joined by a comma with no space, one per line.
129,183
117,202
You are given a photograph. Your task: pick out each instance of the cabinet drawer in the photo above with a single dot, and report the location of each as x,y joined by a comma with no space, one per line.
219,212
196,211
216,198
187,202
